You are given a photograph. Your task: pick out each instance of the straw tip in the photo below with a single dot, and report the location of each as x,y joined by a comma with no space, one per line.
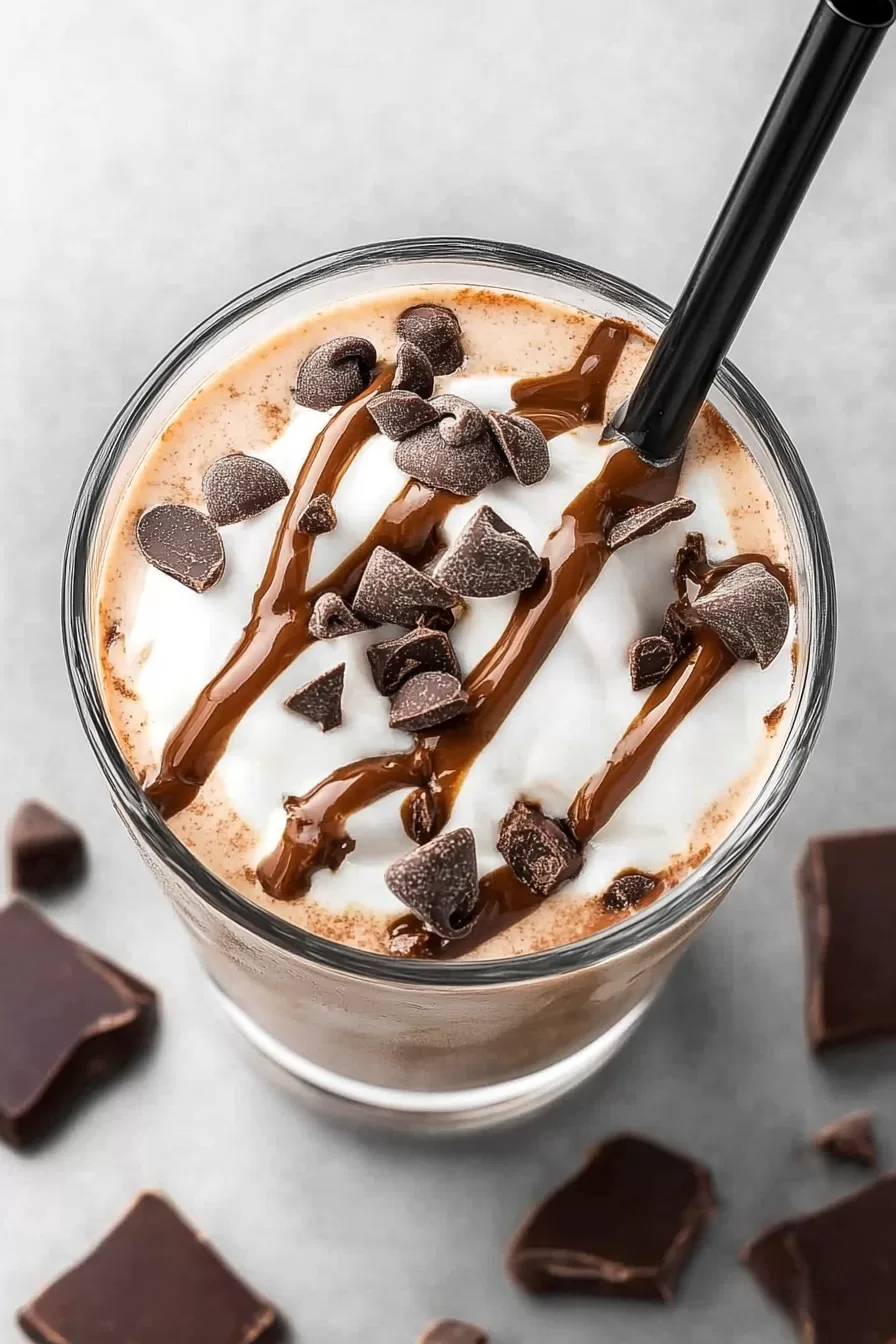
864,13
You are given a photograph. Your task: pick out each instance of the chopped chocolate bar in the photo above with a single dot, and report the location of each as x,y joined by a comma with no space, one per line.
427,699
488,558
832,1271
45,850
523,445
749,611
318,516
182,543
68,1020
392,592
439,883
650,659
237,487
848,896
413,371
334,373
397,414
623,1227
420,650
627,890
331,618
849,1139
320,700
453,1332
541,852
644,522
152,1280
436,331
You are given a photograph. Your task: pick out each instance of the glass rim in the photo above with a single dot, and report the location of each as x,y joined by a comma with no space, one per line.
817,634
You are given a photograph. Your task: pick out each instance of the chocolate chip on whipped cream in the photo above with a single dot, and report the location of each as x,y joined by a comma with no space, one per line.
320,699
237,487
394,661
627,890
488,558
539,850
392,592
645,521
436,331
334,373
650,659
183,543
749,611
318,516
427,699
331,618
398,413
413,371
523,445
439,883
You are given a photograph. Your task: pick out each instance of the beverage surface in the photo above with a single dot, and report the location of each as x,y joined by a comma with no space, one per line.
565,729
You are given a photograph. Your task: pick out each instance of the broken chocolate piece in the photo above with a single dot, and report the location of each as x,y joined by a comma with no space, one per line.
541,852
623,1227
848,898
488,558
436,331
749,611
334,373
397,414
68,1020
420,650
413,371
643,522
392,592
677,631
523,445
832,1271
849,1139
182,543
331,618
237,487
453,1332
650,659
320,700
439,883
427,699
690,562
151,1280
422,816
45,850
627,890
318,516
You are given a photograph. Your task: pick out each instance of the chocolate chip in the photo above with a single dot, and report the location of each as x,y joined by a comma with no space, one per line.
413,371
320,700
182,543
461,422
644,522
334,373
392,592
488,558
397,414
238,487
420,650
541,852
453,1332
627,890
421,816
849,1139
623,1227
650,659
677,631
436,331
439,883
45,850
749,611
331,618
461,469
523,445
318,516
426,700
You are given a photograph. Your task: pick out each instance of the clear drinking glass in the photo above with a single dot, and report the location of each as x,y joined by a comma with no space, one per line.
422,1044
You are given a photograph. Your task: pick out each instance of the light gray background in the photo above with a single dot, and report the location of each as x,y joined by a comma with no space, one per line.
159,157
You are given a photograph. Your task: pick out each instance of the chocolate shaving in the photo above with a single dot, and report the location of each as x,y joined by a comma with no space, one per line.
426,700
439,883
436,331
523,445
650,659
413,371
237,487
334,373
317,517
45,850
392,592
420,650
541,852
182,543
453,1332
643,522
320,699
627,890
849,1139
749,611
397,414
331,618
488,558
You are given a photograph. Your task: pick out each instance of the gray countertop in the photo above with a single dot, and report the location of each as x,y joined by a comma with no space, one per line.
157,159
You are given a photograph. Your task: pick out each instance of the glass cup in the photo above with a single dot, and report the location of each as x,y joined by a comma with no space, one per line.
421,1044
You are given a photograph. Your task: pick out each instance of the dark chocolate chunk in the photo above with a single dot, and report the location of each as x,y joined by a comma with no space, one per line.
334,373
849,1139
460,469
45,850
690,562
392,591
453,1332
650,659
541,852
677,631
523,445
461,422
422,816
623,1227
832,1271
488,558
68,1020
413,371
182,543
749,611
420,650
237,487
397,414
439,883
436,331
627,890
644,522
331,618
847,892
318,516
320,700
151,1280
427,699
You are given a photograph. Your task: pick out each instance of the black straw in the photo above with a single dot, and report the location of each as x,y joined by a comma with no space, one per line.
829,66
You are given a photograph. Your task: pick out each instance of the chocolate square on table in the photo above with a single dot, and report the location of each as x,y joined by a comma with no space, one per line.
68,1020
847,889
152,1280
